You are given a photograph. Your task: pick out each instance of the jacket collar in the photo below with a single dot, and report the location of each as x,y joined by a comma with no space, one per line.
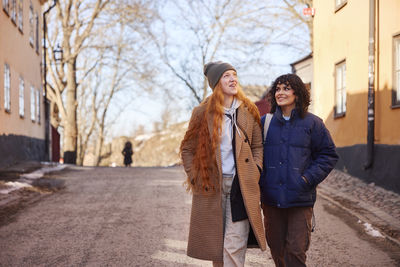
278,114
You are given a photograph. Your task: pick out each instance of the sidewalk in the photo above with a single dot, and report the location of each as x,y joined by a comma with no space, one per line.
24,181
371,204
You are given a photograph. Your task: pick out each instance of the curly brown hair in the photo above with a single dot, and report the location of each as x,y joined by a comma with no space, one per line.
302,94
206,146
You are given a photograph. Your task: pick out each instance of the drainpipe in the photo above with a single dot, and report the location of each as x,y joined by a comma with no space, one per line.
371,89
46,103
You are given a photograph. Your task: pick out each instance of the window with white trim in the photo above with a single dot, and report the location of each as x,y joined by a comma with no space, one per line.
33,98
31,34
340,89
340,3
36,32
396,72
7,87
20,15
14,11
38,106
6,6
21,97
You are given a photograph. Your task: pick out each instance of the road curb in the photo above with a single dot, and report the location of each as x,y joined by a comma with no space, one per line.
358,215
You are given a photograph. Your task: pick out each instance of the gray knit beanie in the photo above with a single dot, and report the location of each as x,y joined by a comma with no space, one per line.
214,70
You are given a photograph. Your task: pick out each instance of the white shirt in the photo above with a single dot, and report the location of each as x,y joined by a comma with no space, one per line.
227,157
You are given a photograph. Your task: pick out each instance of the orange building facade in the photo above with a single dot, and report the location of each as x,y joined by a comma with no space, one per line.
341,82
22,120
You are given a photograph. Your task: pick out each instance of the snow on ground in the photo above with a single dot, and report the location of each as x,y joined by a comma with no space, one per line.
371,231
26,179
12,186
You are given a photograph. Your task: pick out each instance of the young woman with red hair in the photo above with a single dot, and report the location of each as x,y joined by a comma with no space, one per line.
222,154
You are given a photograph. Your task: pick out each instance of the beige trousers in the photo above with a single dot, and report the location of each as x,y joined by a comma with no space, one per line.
235,233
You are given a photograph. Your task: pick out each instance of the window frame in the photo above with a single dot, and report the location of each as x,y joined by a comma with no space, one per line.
36,21
21,15
340,5
7,88
31,25
37,106
33,105
396,72
343,91
21,93
6,6
13,11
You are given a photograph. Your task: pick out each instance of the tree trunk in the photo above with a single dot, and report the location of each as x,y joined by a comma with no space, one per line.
99,145
70,128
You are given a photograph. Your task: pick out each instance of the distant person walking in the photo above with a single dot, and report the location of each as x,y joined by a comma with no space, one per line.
127,152
222,157
298,155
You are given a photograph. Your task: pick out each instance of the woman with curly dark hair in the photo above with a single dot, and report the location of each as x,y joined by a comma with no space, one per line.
298,155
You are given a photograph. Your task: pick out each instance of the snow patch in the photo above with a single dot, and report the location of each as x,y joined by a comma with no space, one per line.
12,186
39,173
143,137
26,179
370,230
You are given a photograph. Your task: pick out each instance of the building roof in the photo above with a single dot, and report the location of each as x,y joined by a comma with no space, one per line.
302,59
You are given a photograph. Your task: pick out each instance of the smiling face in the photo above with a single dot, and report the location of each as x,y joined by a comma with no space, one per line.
229,83
285,97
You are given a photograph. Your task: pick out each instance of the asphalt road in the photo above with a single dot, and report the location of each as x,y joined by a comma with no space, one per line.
140,217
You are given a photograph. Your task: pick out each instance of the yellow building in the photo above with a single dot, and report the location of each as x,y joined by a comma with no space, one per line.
341,82
22,121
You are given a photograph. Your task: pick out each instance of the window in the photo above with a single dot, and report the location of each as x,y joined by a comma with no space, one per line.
14,11
31,37
37,33
340,91
396,72
7,85
21,97
339,4
33,98
6,6
38,106
20,15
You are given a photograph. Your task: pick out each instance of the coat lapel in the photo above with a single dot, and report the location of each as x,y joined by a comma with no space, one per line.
242,123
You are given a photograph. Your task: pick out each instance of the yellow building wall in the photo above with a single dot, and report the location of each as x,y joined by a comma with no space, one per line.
388,119
23,60
343,35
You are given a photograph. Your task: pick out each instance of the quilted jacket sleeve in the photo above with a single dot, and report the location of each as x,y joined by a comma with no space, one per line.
324,156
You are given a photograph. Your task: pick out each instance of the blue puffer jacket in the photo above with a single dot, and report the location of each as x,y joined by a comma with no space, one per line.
300,146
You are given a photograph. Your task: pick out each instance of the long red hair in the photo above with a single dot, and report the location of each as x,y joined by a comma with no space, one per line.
205,150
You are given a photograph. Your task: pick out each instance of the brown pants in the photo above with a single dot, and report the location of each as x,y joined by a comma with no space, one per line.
288,233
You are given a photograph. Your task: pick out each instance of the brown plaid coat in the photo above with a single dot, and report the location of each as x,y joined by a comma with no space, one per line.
206,221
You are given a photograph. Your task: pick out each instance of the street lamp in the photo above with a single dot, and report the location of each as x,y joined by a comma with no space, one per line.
58,54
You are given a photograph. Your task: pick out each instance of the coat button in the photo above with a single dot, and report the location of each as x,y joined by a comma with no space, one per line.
247,160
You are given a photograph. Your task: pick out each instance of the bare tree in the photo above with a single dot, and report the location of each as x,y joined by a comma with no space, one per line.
192,33
294,9
122,72
72,26
84,28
